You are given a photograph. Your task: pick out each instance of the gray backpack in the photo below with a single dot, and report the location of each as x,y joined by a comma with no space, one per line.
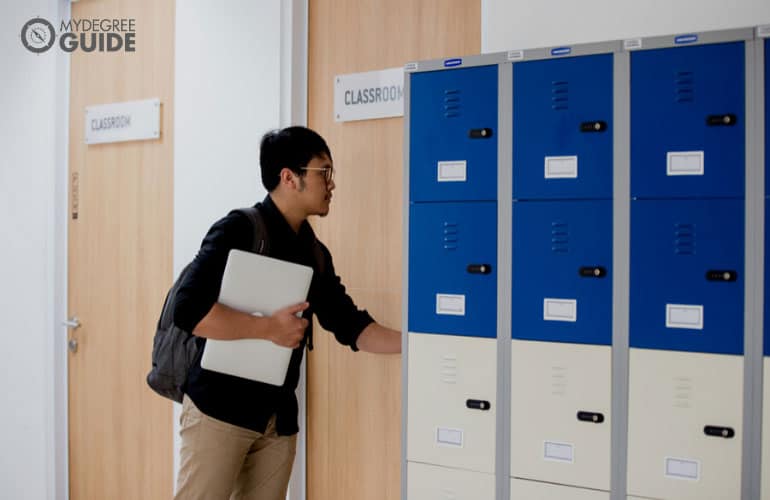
174,349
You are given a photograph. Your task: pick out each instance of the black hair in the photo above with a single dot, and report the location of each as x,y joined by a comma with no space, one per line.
290,147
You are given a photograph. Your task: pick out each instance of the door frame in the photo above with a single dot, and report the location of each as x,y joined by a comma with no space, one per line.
57,412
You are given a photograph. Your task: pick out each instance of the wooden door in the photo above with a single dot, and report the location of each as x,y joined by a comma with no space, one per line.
120,265
354,400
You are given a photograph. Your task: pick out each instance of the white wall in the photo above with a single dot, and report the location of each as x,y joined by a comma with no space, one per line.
33,105
238,74
517,24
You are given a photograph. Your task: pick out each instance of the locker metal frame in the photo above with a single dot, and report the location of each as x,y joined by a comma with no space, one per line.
753,225
620,225
503,263
754,237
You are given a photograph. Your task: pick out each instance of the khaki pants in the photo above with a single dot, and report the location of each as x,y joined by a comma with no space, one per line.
224,461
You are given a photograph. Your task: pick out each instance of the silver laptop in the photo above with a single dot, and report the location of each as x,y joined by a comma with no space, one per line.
257,285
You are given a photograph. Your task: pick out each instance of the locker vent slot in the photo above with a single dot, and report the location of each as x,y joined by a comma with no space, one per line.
560,96
683,392
449,369
558,380
452,103
451,238
559,237
684,86
685,240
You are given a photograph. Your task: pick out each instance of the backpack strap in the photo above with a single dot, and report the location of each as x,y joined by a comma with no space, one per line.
259,243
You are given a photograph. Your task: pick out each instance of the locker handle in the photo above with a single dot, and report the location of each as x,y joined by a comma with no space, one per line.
727,120
721,275
716,431
477,404
597,126
593,272
480,133
479,268
589,416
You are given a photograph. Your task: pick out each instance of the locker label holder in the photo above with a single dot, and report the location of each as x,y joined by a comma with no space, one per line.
684,163
452,171
681,468
449,304
446,436
684,316
561,167
558,452
560,309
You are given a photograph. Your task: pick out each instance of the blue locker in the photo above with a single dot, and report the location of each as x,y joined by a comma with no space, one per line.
452,268
562,282
562,128
687,275
453,135
688,122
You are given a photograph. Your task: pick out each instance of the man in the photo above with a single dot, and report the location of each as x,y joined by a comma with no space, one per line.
239,436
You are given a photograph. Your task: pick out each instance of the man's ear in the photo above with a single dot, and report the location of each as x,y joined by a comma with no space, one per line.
288,177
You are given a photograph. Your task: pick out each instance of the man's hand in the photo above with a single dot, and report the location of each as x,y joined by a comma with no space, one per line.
286,329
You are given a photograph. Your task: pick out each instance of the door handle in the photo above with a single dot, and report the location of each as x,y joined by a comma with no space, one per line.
716,431
479,268
589,416
73,323
597,126
727,120
722,275
480,133
477,404
593,272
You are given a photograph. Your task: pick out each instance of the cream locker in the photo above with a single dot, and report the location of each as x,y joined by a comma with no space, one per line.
685,413
451,401
533,490
431,482
560,413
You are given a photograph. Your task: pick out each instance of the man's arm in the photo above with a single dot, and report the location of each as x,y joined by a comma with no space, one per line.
378,339
283,327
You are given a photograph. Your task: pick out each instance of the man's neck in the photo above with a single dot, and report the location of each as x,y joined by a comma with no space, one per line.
293,216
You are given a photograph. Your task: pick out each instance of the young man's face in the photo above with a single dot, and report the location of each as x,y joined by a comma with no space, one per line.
317,185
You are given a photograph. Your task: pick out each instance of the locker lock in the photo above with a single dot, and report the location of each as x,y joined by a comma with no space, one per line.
597,126
589,416
716,431
480,133
479,268
721,275
477,404
727,120
593,272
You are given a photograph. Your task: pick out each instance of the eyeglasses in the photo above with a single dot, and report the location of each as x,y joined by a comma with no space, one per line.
328,172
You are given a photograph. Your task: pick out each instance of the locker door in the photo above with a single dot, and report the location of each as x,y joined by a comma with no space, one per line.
562,286
428,482
688,121
453,135
531,490
560,413
562,128
452,401
452,268
684,425
687,275
767,114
